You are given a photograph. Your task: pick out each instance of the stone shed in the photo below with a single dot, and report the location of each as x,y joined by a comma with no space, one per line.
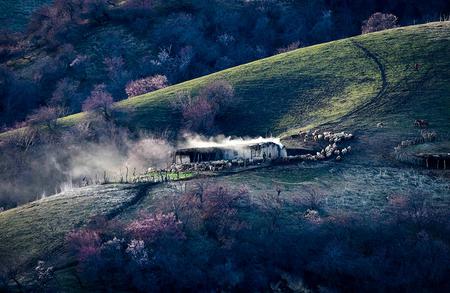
251,151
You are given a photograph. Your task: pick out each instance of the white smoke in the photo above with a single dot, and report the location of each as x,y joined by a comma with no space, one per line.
93,159
221,141
95,162
149,152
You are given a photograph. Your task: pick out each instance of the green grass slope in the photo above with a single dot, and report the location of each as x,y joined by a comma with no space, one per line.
353,82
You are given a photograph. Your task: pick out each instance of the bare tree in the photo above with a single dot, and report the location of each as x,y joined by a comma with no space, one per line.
220,93
24,138
199,112
46,115
65,93
10,273
100,101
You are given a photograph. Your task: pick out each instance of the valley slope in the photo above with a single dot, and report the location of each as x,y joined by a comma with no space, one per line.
391,77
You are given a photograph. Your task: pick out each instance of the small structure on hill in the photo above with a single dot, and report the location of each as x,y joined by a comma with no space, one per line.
258,151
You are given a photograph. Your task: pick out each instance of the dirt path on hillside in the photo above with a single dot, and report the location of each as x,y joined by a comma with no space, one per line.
377,61
378,101
384,83
141,192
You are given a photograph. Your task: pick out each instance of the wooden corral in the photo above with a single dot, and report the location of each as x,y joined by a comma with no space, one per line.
435,161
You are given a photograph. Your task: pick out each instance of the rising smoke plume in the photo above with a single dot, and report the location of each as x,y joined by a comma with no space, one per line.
221,141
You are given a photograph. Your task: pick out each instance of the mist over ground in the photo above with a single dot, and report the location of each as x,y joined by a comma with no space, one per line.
66,163
51,167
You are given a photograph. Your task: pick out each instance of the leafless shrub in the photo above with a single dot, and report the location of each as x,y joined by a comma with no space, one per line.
378,22
414,207
313,198
271,206
83,130
47,116
146,85
290,47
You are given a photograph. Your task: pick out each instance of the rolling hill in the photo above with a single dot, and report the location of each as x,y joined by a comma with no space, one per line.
392,77
351,82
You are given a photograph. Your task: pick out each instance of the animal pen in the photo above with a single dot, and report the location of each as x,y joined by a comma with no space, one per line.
435,161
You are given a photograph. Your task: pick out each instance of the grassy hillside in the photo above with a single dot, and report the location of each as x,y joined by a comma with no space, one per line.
35,230
353,82
348,84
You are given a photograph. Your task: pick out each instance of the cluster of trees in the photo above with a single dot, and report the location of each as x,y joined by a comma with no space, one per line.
53,64
214,238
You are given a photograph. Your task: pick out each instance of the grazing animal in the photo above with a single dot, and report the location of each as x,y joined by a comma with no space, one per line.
421,123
